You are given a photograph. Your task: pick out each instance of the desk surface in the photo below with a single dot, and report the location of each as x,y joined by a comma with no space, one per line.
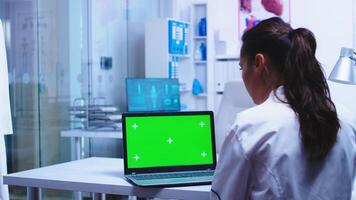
92,134
100,175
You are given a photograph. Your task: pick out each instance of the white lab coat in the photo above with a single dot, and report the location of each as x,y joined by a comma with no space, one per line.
5,114
262,158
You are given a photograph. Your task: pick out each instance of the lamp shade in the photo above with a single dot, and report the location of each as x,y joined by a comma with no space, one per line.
345,69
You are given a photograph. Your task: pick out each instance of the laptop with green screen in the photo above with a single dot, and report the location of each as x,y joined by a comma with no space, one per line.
168,149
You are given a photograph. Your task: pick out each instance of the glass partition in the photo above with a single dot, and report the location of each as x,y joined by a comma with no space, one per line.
20,25
60,51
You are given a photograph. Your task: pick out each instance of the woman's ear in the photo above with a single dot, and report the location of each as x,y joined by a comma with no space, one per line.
260,63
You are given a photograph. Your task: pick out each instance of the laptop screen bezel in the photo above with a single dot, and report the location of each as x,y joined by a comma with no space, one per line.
128,171
150,79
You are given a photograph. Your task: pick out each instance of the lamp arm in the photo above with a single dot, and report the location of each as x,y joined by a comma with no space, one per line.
353,57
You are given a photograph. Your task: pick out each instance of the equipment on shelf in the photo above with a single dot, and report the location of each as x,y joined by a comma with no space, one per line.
202,26
152,94
94,116
197,88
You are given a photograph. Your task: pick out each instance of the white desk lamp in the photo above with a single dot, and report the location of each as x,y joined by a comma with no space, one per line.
345,69
5,113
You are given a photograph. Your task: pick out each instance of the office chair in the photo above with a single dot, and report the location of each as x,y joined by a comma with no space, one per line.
234,100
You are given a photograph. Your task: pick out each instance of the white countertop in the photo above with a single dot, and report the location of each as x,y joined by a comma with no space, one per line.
100,175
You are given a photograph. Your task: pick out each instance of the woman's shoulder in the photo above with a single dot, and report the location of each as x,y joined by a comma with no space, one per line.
262,124
267,112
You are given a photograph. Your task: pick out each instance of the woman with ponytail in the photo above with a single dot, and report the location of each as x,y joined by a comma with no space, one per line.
294,144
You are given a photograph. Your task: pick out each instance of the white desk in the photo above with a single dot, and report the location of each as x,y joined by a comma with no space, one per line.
79,134
97,175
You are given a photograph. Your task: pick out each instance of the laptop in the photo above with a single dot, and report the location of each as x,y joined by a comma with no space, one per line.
152,94
169,148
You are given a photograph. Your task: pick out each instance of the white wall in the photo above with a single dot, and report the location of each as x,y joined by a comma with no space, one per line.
334,26
139,13
109,38
224,19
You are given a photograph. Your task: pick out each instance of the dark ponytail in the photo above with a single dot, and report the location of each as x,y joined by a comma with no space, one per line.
307,93
292,56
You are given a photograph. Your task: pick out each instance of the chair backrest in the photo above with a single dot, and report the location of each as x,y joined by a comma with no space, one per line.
234,100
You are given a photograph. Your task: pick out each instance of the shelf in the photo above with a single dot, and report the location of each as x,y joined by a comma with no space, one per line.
201,71
185,90
200,62
179,56
199,4
227,57
97,133
201,95
199,37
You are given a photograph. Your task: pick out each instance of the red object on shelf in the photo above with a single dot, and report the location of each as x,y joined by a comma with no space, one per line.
273,6
246,5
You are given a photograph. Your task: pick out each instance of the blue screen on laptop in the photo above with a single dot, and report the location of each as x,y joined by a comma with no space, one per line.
152,94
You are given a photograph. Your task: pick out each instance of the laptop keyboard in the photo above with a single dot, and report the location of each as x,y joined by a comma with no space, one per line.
172,175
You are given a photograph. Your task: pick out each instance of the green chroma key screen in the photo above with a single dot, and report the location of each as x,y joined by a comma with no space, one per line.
159,141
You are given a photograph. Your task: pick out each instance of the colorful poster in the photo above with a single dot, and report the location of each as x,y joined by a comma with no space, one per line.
251,12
